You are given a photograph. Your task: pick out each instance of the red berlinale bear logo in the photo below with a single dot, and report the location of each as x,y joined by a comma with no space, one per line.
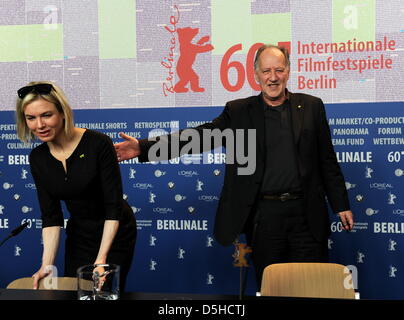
188,53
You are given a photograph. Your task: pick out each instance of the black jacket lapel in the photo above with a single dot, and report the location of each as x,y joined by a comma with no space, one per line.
256,112
297,109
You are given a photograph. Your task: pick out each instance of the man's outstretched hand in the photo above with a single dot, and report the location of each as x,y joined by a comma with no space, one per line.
127,149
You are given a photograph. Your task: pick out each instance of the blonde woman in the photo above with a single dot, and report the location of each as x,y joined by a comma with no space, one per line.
79,167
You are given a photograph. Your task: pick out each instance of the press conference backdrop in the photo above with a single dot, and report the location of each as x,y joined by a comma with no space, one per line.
147,67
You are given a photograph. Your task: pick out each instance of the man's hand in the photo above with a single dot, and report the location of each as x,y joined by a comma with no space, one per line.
127,149
346,218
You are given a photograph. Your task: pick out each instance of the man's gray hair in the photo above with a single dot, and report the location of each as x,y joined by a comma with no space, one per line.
284,51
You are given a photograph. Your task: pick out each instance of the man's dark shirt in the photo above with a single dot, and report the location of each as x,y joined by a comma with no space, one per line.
281,170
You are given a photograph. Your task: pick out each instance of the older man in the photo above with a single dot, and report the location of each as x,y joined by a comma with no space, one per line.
281,206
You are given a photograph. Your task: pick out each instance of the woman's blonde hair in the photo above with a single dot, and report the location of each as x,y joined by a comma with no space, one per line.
55,96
